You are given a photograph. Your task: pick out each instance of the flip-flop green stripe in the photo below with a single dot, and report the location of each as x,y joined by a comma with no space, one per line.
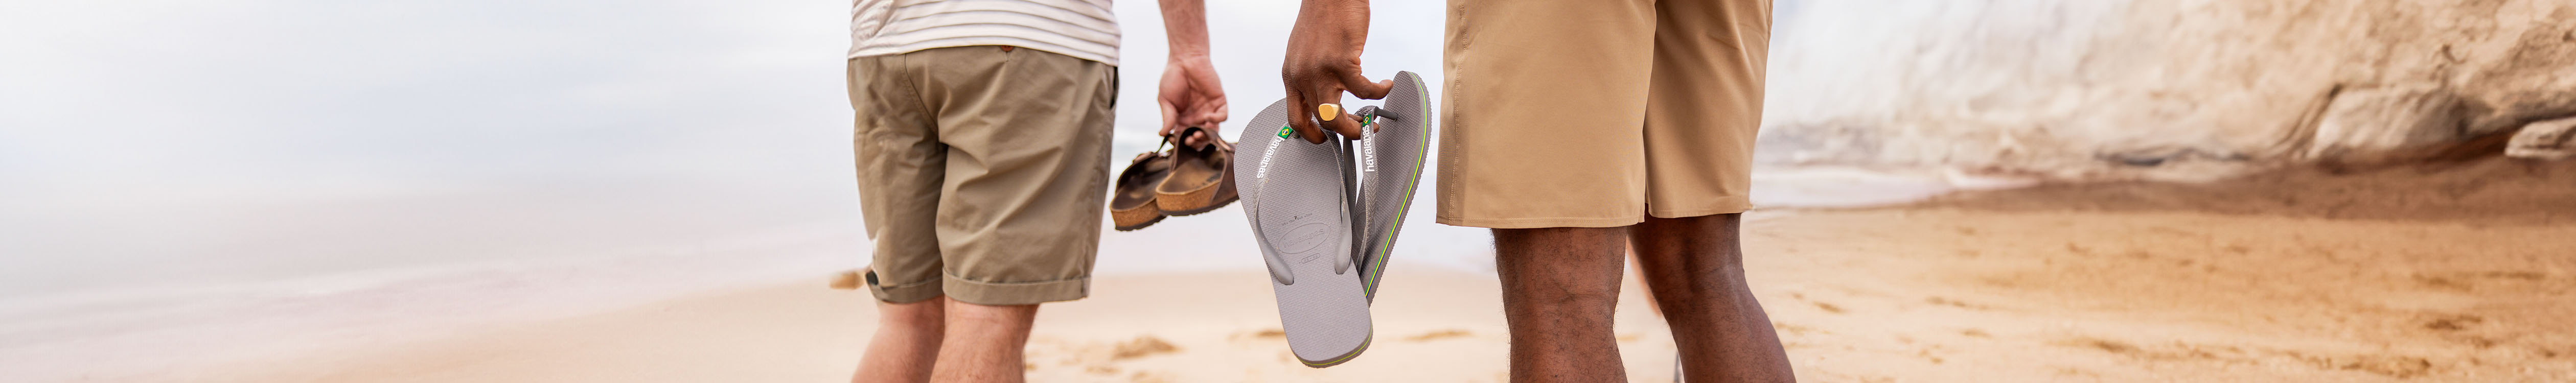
1377,266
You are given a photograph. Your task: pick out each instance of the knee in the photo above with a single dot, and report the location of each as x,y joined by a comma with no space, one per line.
1566,295
1558,238
1585,298
1005,314
1708,230
926,314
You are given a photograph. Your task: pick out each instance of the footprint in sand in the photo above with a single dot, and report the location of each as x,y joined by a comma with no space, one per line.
2391,365
1438,335
1267,333
2395,366
1792,328
2546,352
1955,303
2112,346
2177,351
1149,377
2474,281
1142,346
2453,322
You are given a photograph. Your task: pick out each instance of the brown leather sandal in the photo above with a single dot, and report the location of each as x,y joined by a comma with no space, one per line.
1132,205
1202,178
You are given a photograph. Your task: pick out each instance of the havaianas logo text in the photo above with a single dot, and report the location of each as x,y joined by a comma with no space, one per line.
1263,172
1368,149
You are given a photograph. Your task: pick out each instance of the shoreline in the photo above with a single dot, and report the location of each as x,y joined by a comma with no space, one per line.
2245,281
806,332
1918,294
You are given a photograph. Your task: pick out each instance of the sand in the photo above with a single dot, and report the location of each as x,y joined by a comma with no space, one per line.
2248,281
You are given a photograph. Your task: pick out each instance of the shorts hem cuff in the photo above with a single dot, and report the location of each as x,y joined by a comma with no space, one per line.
1730,205
1016,293
1533,223
916,292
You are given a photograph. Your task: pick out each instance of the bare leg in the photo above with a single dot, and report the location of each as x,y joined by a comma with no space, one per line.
984,343
1695,269
1657,310
1641,276
1560,288
906,342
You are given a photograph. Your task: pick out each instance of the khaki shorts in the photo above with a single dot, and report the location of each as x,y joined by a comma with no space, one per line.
982,172
1590,113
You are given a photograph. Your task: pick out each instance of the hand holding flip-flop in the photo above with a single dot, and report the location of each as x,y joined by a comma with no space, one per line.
1324,61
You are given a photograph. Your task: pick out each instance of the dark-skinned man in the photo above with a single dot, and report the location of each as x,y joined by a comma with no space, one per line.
1578,130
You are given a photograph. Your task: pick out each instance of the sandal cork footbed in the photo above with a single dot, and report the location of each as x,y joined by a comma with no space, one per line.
1201,178
1132,206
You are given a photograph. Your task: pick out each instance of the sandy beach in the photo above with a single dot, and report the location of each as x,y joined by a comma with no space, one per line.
2098,282
1944,190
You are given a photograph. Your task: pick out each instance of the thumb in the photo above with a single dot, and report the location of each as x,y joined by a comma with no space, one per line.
1362,87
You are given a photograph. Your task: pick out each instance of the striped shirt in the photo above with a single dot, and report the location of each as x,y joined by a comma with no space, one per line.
1083,29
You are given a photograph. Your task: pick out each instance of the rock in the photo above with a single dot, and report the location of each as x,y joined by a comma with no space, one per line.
2103,89
2367,123
2546,140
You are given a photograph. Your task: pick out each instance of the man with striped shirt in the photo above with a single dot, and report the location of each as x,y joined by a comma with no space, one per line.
982,136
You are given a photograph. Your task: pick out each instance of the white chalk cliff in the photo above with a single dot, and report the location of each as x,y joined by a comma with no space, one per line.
2160,89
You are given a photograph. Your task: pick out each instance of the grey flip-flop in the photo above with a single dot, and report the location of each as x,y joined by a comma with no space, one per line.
1298,202
1392,156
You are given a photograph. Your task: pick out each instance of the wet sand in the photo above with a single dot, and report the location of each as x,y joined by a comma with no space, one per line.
2465,273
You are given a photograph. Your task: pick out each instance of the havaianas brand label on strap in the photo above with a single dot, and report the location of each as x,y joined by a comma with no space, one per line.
1263,172
1368,148
1368,155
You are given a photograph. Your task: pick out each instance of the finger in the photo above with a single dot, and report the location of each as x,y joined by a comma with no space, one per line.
1211,100
1207,114
1348,125
1211,121
1303,122
1216,113
1361,86
1342,121
1171,117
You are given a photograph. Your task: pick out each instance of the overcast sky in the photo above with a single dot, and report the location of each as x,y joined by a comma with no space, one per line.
269,138
209,141
250,94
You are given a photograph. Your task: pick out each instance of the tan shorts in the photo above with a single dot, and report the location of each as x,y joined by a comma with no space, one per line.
982,172
1593,113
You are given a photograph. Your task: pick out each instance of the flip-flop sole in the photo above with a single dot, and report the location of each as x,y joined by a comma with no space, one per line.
1294,198
1392,159
1255,141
